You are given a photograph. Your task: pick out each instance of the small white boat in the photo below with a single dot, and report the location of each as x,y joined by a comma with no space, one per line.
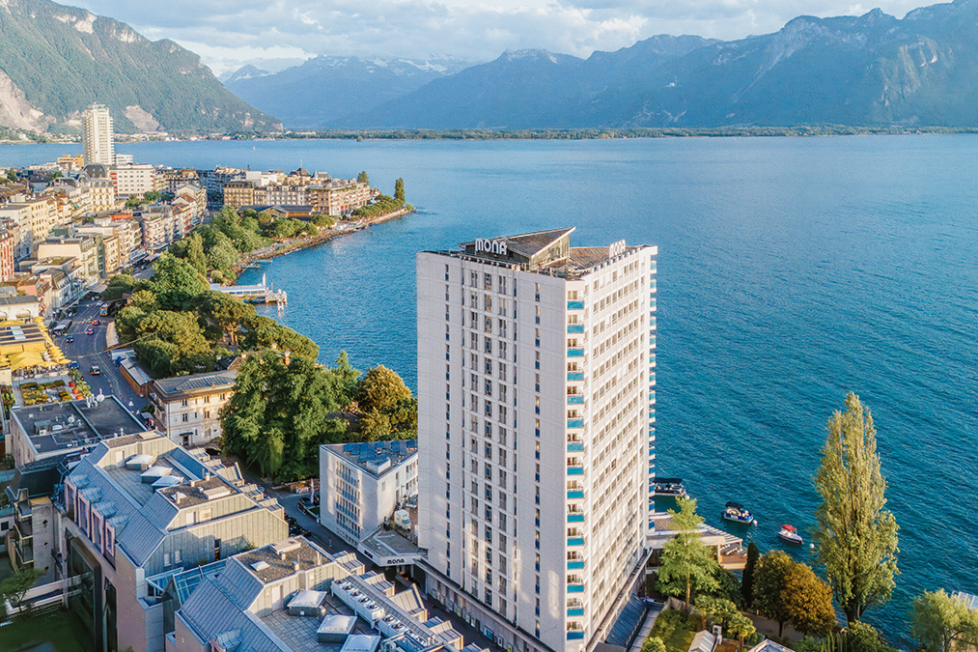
790,534
737,513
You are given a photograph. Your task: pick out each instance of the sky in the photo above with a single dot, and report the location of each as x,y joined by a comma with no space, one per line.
277,33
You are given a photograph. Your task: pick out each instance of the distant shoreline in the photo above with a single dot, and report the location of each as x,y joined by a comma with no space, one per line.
535,134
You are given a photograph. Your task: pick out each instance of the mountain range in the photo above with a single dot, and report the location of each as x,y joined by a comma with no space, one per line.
325,89
55,60
870,70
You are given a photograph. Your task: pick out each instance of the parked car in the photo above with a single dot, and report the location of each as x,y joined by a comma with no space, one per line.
89,331
96,322
69,340
95,371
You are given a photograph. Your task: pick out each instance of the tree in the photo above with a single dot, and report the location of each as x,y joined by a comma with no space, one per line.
195,254
15,587
940,620
719,610
687,564
741,626
280,414
808,601
381,389
747,581
863,637
855,536
399,190
227,312
769,586
363,178
654,644
176,283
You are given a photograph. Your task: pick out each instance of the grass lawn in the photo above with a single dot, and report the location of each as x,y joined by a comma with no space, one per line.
676,629
60,629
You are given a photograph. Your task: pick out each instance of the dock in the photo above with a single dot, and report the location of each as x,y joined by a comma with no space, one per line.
260,293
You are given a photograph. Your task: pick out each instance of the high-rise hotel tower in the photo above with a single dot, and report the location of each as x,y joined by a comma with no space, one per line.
536,377
98,137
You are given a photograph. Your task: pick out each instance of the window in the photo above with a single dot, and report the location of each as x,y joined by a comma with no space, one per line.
186,417
184,402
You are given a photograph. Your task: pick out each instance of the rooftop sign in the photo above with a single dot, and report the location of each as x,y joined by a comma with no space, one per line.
497,247
616,249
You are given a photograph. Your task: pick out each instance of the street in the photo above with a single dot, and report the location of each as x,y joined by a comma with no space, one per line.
88,350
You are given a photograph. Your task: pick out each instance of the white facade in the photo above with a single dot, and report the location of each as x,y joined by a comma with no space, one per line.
363,483
536,395
98,136
136,179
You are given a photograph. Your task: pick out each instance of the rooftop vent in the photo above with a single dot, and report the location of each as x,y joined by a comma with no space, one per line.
280,548
217,492
155,473
259,566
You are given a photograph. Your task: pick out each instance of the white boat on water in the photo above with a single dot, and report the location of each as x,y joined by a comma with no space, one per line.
790,534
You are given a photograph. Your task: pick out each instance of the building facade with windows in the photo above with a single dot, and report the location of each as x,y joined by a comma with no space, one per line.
536,390
363,483
97,135
188,408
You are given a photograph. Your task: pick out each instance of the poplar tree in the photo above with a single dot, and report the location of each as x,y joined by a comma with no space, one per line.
855,536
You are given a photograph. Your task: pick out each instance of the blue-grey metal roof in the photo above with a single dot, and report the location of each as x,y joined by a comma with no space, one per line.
211,612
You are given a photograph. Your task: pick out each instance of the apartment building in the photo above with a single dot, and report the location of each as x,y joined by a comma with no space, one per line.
6,255
139,506
338,196
98,138
362,484
238,194
536,389
188,408
83,247
160,225
136,179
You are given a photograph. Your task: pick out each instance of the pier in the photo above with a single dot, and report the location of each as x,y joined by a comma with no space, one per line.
260,293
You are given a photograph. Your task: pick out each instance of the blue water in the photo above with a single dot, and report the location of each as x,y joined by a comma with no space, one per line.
790,272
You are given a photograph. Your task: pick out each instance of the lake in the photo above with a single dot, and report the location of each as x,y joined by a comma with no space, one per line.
790,272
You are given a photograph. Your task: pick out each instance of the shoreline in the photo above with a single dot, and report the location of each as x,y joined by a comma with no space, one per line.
245,261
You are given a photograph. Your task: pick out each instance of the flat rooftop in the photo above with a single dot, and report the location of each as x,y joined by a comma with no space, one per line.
375,457
276,561
52,427
299,632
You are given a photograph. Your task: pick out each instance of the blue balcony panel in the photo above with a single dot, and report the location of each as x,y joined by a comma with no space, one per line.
575,470
575,565
575,588
576,612
575,423
576,542
575,328
575,448
575,353
575,518
575,305
574,636
575,400
575,495
575,375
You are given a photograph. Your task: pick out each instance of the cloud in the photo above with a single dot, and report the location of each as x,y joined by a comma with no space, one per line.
473,29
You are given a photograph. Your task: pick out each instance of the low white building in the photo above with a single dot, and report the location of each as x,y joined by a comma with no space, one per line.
362,484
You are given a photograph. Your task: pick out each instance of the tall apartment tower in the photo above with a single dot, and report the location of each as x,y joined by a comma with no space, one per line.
98,136
536,377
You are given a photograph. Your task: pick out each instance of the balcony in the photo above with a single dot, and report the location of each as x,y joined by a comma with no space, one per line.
576,564
576,588
575,305
575,447
575,353
575,423
575,470
576,611
575,328
575,636
575,541
576,494
575,375
575,399
575,518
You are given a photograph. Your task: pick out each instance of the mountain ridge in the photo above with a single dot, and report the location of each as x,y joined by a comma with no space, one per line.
55,60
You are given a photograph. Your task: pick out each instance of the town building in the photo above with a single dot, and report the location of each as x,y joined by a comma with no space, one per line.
83,247
54,430
136,179
188,408
536,390
98,138
101,189
337,196
71,163
6,256
239,193
293,596
362,484
140,506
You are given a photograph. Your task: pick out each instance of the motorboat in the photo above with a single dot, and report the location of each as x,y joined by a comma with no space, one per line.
790,534
737,513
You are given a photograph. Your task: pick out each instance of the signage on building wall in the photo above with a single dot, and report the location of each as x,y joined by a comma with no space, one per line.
497,247
616,249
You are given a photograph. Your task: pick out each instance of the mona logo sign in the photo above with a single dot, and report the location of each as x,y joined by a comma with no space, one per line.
497,247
